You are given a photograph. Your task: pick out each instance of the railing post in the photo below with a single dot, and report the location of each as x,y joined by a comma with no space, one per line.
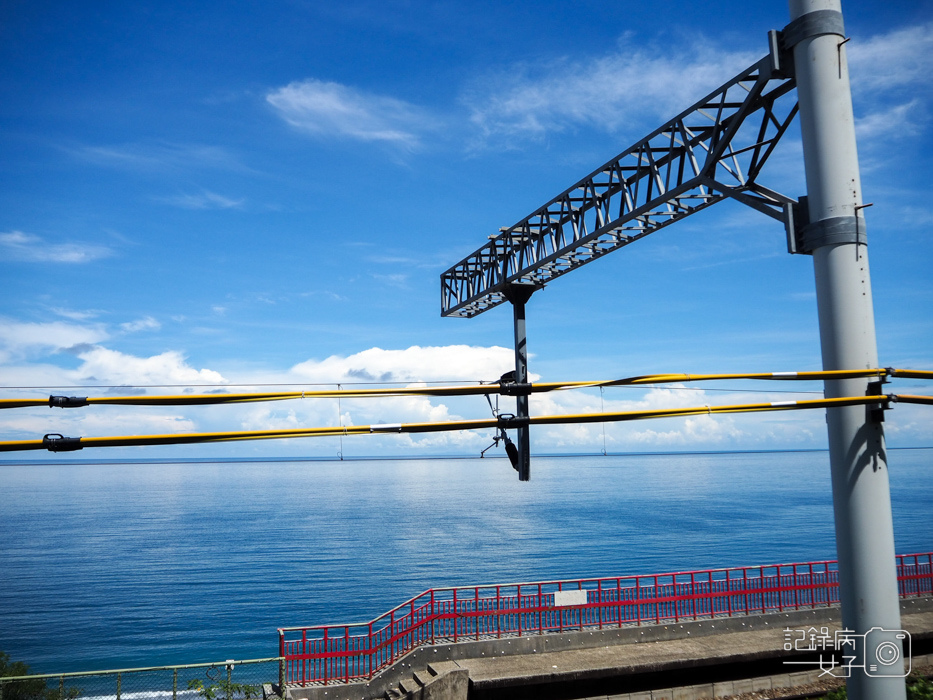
619,607
599,600
346,651
433,616
657,602
174,684
498,614
560,613
456,618
369,648
476,610
325,659
760,608
282,663
780,591
676,599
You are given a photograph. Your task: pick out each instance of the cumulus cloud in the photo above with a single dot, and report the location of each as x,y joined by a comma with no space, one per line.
329,110
692,432
125,421
409,366
100,364
27,247
19,339
414,364
604,92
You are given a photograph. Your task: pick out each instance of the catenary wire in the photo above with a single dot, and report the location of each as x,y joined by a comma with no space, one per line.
58,443
469,390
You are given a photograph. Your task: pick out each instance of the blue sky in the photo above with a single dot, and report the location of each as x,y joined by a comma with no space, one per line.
235,193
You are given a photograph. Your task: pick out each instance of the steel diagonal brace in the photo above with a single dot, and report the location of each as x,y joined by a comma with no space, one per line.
675,171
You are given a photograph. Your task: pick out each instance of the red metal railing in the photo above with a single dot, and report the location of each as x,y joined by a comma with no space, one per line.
343,653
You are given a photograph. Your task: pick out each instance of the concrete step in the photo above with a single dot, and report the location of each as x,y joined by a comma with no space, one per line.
423,677
408,685
439,667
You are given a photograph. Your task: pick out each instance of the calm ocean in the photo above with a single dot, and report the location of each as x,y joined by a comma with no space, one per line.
123,565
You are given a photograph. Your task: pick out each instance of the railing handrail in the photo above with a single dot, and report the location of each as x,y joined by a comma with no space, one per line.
357,650
559,582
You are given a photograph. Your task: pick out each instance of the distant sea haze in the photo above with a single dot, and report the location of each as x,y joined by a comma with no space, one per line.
144,564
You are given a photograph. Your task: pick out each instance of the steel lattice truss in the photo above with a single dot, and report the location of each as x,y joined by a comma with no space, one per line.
711,151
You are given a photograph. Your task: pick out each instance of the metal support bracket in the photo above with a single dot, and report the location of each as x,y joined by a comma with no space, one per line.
816,23
874,413
518,293
507,421
68,401
713,150
804,237
838,229
514,389
56,442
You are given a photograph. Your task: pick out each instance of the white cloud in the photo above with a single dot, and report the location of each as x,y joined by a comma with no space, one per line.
30,248
18,339
75,315
414,364
143,324
124,421
204,200
897,120
604,92
105,366
161,157
394,280
901,58
693,432
329,110
892,76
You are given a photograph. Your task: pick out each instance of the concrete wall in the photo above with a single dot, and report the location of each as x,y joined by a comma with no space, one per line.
472,654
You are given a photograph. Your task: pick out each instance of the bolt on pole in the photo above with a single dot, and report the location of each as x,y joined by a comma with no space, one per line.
861,493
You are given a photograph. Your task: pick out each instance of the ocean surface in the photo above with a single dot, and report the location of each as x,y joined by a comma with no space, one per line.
126,565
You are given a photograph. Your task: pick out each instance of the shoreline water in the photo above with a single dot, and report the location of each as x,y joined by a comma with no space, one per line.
107,567
396,458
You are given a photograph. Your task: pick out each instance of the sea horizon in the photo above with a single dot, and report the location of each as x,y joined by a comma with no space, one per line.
193,561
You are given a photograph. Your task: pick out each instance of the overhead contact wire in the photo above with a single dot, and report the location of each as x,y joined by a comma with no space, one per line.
59,443
471,390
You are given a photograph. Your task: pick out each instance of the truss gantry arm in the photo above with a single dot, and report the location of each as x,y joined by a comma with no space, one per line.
711,151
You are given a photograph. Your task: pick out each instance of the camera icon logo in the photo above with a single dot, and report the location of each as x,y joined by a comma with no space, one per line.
884,650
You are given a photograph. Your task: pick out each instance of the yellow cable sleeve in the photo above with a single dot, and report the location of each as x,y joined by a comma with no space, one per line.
188,438
470,390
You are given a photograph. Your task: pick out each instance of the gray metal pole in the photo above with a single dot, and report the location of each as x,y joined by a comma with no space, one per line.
836,237
518,294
